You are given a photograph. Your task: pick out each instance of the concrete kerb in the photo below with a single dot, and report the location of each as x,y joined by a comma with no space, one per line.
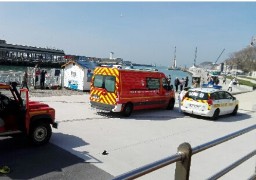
235,93
254,109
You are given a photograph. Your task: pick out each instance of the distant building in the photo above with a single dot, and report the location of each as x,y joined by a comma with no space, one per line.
128,63
21,53
75,58
78,74
94,59
111,61
100,61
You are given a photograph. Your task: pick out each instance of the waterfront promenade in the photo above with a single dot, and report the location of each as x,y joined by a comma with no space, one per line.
145,137
148,136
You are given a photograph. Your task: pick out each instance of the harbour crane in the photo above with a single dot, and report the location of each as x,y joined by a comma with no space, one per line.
213,64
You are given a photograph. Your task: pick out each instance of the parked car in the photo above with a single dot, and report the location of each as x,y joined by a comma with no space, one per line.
209,102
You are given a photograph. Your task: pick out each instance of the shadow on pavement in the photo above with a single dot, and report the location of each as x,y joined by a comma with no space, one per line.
166,115
238,117
224,118
69,143
147,114
45,162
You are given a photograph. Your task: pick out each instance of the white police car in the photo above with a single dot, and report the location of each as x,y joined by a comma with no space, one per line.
209,102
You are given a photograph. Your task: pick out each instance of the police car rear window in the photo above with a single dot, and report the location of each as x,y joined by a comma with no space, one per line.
197,95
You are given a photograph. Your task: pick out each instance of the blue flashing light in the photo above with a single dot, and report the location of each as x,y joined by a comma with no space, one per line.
211,86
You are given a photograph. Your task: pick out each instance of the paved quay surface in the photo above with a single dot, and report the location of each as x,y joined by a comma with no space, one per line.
145,137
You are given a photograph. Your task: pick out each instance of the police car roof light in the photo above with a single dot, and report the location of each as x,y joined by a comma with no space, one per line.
211,86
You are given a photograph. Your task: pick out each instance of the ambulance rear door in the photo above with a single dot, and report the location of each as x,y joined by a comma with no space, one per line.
104,86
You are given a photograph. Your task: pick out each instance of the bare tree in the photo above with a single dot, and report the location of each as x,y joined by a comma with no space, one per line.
244,59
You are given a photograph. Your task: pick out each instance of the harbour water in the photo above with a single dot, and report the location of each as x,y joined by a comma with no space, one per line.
174,73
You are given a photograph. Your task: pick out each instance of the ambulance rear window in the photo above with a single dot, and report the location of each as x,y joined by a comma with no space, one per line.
98,81
197,95
110,82
106,82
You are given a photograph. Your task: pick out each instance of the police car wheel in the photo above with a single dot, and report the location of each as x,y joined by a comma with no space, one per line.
170,105
215,115
235,111
127,111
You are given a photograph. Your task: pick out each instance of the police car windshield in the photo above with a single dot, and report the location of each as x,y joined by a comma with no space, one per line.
106,82
197,95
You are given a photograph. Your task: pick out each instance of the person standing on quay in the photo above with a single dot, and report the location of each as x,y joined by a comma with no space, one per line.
25,80
176,83
42,79
224,79
231,84
186,82
169,79
182,82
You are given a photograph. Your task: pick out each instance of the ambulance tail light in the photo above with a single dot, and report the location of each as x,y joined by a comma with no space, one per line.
117,97
210,102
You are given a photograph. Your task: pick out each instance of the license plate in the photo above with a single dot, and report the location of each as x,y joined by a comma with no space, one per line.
194,106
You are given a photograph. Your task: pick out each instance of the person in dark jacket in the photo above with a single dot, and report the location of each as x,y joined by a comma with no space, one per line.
186,82
176,83
182,82
42,78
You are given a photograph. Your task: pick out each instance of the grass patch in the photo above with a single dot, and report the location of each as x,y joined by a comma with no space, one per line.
244,82
248,78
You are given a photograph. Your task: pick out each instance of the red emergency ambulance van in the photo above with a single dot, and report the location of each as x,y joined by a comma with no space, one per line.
125,90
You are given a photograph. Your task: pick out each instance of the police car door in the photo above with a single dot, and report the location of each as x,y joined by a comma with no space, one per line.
222,103
230,102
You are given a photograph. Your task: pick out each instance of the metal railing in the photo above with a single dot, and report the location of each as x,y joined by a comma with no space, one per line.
183,159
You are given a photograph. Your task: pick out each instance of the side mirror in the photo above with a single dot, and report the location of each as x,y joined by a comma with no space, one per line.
234,98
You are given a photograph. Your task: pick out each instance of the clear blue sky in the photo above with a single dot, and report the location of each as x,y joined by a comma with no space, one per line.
141,32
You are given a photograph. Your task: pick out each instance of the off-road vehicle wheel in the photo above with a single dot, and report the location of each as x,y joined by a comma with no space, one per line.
40,133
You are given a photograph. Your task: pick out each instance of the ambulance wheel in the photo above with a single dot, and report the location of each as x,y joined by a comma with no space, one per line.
40,133
215,115
235,111
170,105
127,111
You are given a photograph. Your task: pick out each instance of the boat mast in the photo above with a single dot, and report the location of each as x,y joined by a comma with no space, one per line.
195,57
